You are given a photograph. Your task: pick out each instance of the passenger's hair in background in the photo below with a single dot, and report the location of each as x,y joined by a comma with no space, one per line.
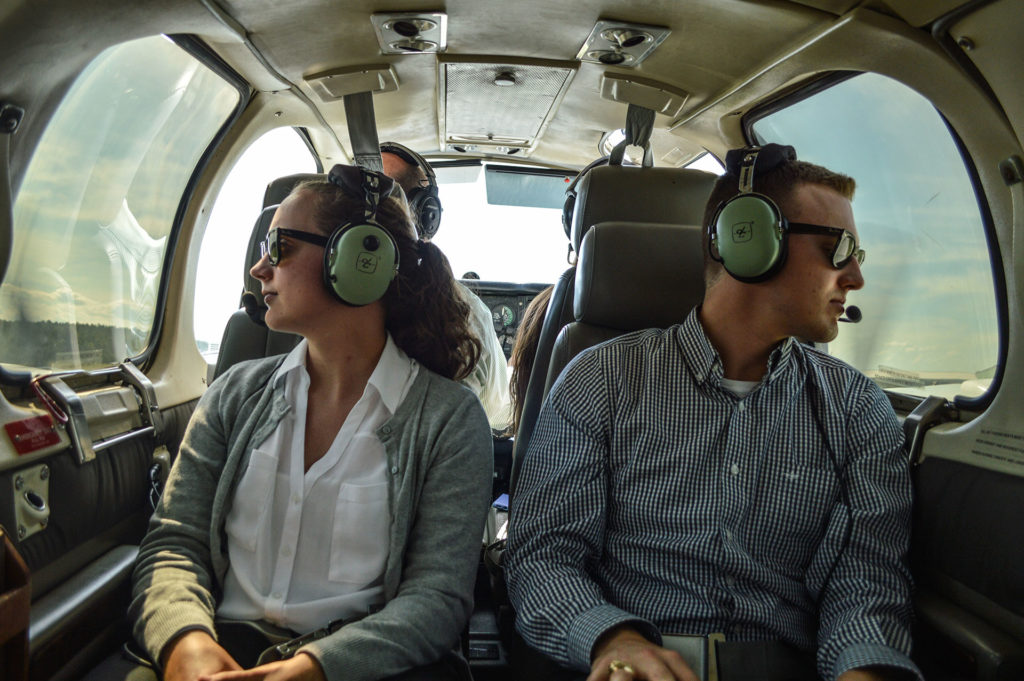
524,351
777,184
426,315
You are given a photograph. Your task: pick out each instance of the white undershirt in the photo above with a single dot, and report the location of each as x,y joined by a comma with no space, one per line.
739,388
308,548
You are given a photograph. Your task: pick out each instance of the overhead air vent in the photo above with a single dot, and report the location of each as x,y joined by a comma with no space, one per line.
614,43
411,32
500,107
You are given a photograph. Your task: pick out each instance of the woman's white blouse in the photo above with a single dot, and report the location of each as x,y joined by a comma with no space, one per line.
308,548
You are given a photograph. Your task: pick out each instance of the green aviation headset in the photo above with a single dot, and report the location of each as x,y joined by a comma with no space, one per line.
361,257
748,234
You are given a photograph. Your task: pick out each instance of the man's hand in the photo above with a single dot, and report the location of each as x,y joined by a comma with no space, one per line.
302,667
193,655
627,648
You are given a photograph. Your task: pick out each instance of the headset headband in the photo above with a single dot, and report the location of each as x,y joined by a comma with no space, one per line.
411,157
364,184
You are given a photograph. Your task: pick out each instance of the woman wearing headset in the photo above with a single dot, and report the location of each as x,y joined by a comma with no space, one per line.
341,489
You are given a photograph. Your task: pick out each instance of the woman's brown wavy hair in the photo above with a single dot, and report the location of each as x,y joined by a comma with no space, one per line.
524,351
425,313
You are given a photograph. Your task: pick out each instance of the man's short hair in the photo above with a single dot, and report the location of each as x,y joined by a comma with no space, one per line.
778,184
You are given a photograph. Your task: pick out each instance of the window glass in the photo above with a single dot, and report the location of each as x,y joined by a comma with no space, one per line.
929,318
220,276
97,204
516,244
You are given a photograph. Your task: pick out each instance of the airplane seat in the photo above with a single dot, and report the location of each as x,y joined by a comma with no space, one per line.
243,338
277,190
630,276
605,194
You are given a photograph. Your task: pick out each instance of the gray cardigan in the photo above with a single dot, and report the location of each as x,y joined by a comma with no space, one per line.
440,465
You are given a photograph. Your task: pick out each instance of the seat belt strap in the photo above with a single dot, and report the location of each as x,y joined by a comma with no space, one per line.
639,126
362,131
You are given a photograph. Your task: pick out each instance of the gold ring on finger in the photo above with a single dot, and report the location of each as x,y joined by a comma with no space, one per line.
620,666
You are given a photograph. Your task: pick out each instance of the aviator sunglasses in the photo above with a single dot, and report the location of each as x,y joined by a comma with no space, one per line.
846,247
271,245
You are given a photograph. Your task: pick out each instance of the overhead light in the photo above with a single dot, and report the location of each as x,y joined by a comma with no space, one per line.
411,32
615,43
505,79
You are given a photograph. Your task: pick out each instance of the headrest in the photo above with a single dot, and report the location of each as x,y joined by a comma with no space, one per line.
637,194
282,187
638,275
252,255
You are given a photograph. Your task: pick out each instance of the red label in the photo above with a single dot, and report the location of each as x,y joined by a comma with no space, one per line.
31,435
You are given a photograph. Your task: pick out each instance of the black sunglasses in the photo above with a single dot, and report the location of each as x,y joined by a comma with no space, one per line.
270,247
846,247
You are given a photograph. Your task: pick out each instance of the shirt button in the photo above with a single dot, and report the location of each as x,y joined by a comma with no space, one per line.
734,469
728,534
741,406
386,430
730,580
286,552
296,498
394,469
276,595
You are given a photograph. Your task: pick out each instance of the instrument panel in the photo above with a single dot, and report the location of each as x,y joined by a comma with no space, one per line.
508,303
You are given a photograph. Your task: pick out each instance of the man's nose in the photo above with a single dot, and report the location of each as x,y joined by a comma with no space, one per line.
851,277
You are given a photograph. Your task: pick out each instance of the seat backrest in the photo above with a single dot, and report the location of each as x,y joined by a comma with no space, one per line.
630,276
610,193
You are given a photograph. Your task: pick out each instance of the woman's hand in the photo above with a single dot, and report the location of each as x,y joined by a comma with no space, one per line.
193,655
302,667
625,655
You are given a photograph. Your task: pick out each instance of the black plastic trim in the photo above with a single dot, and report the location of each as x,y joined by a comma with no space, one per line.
998,279
308,141
207,57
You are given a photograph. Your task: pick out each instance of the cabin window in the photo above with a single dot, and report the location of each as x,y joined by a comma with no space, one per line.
929,304
94,213
220,276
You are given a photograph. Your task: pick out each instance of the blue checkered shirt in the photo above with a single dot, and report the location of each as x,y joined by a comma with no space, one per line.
654,497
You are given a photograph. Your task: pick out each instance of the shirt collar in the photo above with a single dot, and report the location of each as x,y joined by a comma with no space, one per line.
389,377
704,362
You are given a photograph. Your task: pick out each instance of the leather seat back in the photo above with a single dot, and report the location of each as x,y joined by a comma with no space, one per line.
609,193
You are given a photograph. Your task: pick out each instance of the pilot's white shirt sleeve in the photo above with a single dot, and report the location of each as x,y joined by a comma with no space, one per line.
489,378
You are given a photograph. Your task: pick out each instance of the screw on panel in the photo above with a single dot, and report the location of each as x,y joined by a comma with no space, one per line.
44,473
19,483
22,531
965,43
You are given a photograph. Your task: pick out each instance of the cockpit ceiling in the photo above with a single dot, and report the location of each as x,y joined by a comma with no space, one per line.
550,115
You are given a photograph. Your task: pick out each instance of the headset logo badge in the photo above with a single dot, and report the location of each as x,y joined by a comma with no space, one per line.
742,231
367,262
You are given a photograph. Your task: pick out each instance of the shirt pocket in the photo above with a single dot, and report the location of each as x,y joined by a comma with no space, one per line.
359,545
792,512
250,506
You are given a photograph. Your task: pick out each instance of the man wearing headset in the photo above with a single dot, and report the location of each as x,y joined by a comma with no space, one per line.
720,480
489,379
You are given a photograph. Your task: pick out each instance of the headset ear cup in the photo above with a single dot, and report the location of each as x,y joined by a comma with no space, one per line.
567,210
749,237
360,261
425,207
